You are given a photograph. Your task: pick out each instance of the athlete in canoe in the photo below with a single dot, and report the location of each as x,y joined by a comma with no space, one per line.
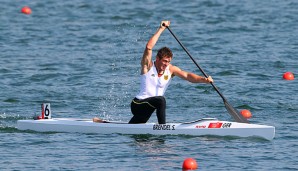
155,78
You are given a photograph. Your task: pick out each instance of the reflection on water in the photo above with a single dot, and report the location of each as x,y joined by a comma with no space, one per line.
149,143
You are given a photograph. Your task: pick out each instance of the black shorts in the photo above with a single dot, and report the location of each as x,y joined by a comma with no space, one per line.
142,109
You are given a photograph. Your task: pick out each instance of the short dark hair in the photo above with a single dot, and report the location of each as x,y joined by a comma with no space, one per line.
164,52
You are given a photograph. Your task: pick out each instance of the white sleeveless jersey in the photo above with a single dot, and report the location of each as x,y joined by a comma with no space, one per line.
152,85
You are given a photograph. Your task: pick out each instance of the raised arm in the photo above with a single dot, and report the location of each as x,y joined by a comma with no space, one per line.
146,62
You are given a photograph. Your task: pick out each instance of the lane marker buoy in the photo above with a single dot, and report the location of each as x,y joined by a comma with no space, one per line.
26,10
288,76
246,113
189,164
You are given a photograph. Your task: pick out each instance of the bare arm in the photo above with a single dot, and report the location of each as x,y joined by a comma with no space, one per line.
146,62
191,77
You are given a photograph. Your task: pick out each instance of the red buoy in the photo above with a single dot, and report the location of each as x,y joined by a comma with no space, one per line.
26,10
288,76
189,164
246,113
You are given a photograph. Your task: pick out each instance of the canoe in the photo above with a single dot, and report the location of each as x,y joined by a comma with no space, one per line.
201,127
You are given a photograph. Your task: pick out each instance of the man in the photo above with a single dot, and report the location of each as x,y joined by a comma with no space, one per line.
155,78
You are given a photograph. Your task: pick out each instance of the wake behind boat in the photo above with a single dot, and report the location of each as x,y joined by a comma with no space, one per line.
202,127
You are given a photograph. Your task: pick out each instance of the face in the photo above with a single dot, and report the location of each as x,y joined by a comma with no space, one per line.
161,64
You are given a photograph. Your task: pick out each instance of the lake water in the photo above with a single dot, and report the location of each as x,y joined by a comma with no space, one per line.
83,57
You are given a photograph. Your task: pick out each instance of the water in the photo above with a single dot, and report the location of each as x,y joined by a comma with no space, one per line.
83,57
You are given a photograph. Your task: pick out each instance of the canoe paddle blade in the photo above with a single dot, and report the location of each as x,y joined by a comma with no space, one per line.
234,113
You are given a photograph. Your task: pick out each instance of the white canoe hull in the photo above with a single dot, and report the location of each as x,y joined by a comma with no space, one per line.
196,128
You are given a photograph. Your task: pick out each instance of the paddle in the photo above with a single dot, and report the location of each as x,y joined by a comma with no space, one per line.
232,111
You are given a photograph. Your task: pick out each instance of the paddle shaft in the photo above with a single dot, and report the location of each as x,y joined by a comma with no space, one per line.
216,89
233,112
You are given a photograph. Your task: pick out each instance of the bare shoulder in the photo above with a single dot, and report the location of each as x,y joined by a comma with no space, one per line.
174,69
